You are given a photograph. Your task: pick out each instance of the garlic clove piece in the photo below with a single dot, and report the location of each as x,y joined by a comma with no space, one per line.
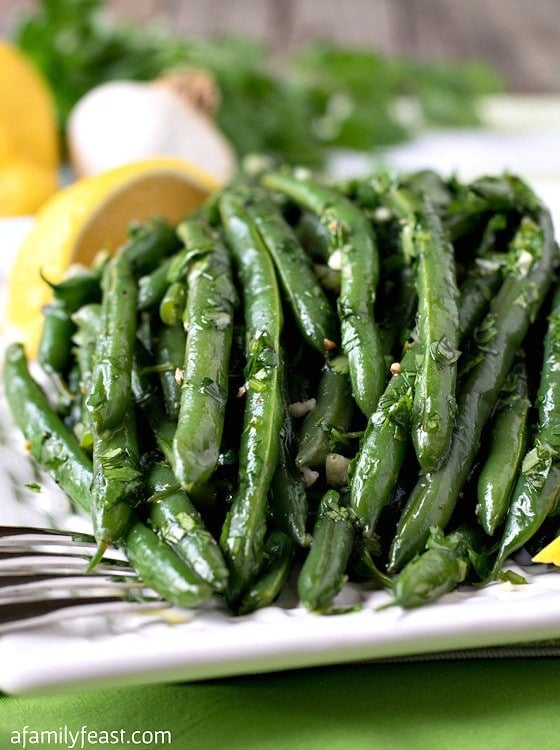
125,121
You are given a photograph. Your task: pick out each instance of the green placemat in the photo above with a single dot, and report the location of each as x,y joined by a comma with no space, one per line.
452,705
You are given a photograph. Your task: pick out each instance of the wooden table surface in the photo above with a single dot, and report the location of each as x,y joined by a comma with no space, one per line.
521,38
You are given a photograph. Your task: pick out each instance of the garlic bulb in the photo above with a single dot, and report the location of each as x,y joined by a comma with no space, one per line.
124,121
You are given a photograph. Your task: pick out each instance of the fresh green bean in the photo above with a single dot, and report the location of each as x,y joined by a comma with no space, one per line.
353,240
152,286
323,573
55,344
88,327
244,530
81,286
375,470
169,355
148,243
322,431
110,394
117,479
173,302
434,403
537,490
435,495
312,310
314,237
278,556
161,569
446,562
507,445
288,495
50,442
212,300
173,516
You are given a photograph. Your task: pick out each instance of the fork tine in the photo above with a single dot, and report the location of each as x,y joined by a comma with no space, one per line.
33,590
8,531
43,579
24,539
56,565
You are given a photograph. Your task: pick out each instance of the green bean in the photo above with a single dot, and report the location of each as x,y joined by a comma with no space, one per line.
322,431
548,396
278,556
475,202
446,562
55,344
175,519
244,530
314,237
434,403
352,238
288,495
57,450
312,310
507,445
434,497
170,355
161,569
537,489
148,243
152,286
50,442
88,327
323,573
383,449
110,393
478,288
535,496
172,305
398,315
80,287
117,479
212,300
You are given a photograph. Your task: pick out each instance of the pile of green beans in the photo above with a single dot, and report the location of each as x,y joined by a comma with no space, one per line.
308,382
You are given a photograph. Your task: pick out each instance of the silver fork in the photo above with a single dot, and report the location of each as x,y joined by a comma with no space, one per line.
43,579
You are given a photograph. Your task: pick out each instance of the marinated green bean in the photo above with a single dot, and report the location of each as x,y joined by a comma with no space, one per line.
50,442
434,402
353,240
323,573
244,530
507,445
178,523
434,497
209,314
110,393
322,431
312,310
278,556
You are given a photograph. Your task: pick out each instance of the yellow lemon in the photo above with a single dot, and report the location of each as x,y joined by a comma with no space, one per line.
24,186
27,112
550,553
91,215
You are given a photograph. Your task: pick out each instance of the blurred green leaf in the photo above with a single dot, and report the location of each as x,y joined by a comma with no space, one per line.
321,98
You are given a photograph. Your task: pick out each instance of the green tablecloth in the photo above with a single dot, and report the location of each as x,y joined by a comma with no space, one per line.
448,705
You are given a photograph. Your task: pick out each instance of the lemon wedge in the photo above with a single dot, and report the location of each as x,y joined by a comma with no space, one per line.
27,111
91,215
550,553
29,148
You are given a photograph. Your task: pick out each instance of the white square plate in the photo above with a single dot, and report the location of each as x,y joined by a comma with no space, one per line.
212,643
